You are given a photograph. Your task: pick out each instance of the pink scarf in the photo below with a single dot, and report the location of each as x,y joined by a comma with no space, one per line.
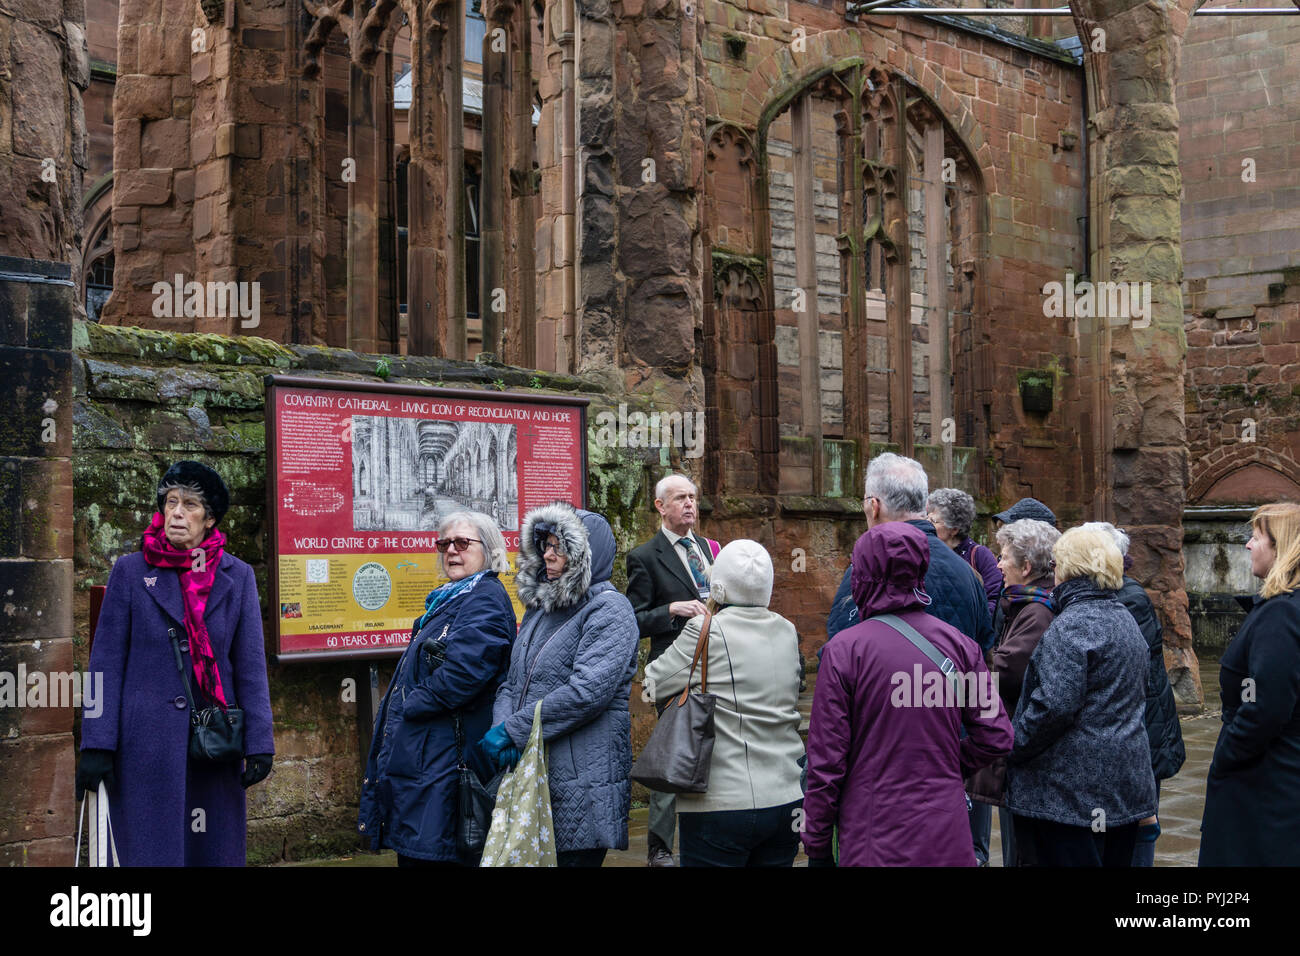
195,587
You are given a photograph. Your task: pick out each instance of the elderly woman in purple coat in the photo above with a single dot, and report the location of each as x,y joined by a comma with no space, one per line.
167,809
890,736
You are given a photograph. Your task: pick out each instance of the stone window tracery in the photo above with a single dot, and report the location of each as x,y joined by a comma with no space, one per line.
861,297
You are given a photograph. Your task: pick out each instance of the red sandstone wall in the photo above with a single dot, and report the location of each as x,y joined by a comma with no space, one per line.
1237,98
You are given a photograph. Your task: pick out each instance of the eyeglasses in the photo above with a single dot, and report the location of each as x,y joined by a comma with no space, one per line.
462,544
552,546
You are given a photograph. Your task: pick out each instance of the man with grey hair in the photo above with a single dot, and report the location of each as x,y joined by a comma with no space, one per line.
1164,733
668,583
897,490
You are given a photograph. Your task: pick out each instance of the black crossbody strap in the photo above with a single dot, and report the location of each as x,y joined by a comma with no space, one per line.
460,738
180,666
945,664
185,675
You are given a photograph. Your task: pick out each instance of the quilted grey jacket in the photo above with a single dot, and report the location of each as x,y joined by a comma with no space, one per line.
576,650
1081,740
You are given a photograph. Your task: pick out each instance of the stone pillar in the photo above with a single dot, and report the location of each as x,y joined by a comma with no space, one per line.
372,308
216,141
45,66
639,90
898,305
494,191
436,183
1131,56
154,179
521,223
37,305
549,350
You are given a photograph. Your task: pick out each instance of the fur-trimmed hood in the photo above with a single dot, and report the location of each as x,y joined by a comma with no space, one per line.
587,540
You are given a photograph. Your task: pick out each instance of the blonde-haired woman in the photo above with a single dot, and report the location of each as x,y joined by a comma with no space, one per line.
1079,776
1254,780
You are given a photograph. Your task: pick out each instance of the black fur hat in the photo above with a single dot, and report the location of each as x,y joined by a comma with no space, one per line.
215,494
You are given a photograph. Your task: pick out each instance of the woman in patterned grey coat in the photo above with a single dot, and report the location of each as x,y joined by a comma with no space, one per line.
1079,777
576,651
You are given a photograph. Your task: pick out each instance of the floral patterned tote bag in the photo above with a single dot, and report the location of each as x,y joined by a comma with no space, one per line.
521,833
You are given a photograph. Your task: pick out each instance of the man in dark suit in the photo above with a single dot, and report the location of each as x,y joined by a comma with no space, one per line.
668,583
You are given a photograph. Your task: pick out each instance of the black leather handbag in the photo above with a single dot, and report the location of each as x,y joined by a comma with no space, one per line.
475,800
677,756
216,736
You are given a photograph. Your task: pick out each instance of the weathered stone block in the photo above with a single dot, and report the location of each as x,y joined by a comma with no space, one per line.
35,598
599,287
38,94
596,124
248,141
37,387
1140,218
1136,147
48,691
37,12
597,51
144,97
654,238
94,428
78,55
143,187
50,309
597,229
165,144
57,851
41,806
660,327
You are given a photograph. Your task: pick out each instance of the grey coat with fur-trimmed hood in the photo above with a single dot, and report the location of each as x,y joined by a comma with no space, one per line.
576,652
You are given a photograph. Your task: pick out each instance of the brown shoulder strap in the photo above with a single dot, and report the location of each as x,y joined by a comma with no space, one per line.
701,653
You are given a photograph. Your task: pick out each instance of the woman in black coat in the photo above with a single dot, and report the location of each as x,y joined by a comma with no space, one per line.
1253,789
448,674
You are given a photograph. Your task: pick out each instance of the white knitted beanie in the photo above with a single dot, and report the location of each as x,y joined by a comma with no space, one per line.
742,575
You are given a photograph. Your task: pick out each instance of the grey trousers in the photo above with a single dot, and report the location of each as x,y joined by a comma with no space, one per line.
663,817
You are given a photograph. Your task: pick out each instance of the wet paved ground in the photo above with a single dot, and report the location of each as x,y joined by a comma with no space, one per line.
1182,798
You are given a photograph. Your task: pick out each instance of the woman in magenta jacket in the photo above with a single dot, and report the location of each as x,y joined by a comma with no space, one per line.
886,755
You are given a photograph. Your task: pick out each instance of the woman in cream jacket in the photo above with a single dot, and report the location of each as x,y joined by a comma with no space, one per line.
750,814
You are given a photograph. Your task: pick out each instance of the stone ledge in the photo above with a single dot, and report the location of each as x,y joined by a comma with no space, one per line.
167,348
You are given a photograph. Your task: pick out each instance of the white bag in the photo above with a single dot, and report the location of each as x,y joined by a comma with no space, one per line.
102,846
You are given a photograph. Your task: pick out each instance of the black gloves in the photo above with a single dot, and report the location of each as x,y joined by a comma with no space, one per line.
256,767
95,766
814,861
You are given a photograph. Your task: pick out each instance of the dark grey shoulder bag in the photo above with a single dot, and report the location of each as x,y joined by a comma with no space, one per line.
677,756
